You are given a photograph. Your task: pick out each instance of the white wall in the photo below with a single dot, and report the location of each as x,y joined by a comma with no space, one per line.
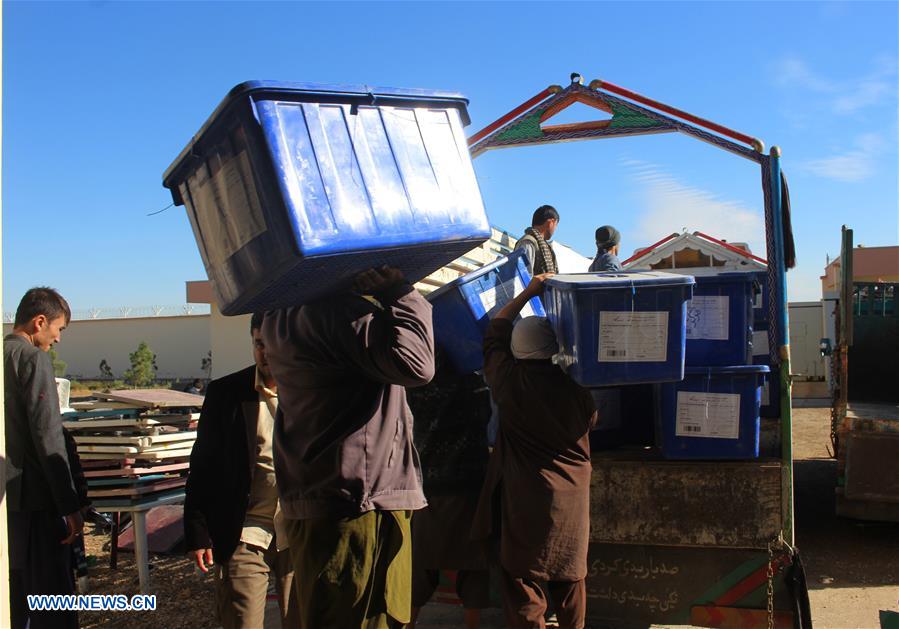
180,344
806,332
232,349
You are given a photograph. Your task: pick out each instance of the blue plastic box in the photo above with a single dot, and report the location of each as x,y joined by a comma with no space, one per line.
293,188
713,413
462,309
761,356
620,328
719,320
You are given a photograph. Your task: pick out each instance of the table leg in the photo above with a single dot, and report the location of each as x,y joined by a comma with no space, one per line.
114,545
140,550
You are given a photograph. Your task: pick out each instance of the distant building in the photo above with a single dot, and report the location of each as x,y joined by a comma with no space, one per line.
869,264
700,253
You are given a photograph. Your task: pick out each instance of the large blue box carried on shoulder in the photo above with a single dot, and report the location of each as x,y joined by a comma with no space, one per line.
293,188
620,328
719,320
462,309
713,413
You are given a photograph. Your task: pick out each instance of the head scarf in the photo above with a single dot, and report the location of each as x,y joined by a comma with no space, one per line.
607,237
533,339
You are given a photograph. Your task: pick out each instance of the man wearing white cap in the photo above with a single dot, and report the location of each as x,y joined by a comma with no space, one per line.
539,473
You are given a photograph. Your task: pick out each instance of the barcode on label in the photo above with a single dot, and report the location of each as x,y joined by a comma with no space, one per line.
689,428
616,352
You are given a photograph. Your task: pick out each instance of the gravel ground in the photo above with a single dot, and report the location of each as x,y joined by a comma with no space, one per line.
184,596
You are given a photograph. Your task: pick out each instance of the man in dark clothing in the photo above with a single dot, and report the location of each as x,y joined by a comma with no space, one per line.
43,508
539,472
608,240
535,242
348,473
231,511
451,415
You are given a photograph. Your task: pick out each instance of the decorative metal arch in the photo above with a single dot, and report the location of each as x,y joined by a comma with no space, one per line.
635,114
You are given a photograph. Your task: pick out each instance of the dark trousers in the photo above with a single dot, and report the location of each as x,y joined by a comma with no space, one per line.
472,587
525,601
39,564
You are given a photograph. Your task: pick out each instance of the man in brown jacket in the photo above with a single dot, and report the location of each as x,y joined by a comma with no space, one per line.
539,472
348,474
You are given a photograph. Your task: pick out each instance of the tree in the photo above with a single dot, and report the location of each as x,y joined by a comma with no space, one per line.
206,364
143,366
59,366
106,370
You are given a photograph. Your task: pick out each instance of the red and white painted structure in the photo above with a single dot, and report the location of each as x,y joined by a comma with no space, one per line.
700,253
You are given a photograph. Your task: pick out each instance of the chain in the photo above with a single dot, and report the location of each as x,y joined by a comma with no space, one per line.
771,585
780,544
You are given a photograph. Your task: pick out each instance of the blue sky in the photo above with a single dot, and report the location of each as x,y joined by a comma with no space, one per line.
100,97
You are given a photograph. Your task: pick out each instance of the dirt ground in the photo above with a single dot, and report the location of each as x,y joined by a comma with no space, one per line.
852,567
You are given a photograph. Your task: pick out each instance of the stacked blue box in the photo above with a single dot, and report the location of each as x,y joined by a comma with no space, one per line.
293,188
719,320
463,308
713,413
620,328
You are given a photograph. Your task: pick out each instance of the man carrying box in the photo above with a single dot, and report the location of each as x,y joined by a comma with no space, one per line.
539,473
348,474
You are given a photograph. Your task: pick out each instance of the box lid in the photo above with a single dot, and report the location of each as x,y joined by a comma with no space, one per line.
732,370
618,280
511,258
726,278
319,93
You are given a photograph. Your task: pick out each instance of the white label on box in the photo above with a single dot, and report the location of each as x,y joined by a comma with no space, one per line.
633,337
766,394
501,294
713,415
760,343
227,207
707,318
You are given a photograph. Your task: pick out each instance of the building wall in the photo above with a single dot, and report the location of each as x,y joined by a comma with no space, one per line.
232,349
180,344
806,332
869,264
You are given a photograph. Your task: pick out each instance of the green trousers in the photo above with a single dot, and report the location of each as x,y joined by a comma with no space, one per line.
353,572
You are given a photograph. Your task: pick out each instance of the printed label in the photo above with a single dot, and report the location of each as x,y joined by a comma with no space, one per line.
712,415
493,299
760,343
707,318
633,337
227,207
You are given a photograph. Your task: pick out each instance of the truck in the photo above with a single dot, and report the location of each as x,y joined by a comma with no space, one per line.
865,407
702,543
